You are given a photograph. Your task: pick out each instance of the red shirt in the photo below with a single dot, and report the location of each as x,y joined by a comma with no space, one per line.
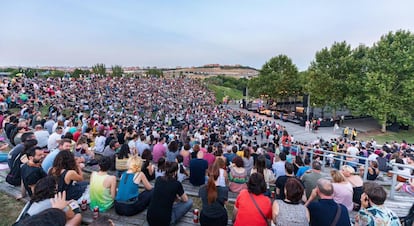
248,214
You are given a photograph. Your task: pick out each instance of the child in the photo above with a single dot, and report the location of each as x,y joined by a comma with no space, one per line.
160,168
182,172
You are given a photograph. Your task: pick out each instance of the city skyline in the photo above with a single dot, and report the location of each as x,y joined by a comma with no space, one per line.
189,33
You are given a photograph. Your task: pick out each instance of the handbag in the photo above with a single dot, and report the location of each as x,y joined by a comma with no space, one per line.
258,208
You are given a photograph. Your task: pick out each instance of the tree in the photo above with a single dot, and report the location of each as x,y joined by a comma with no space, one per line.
99,69
390,79
277,78
328,74
78,72
117,71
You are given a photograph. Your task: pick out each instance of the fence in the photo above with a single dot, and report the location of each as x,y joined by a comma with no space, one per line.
395,173
341,157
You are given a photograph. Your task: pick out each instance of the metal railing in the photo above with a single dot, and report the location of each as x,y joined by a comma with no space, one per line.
341,157
395,173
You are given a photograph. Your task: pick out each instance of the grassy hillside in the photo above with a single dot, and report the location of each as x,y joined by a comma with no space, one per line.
221,91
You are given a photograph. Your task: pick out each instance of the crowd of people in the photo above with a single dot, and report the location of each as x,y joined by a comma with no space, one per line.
160,132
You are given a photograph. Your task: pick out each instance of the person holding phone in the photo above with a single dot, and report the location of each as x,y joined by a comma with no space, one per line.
372,211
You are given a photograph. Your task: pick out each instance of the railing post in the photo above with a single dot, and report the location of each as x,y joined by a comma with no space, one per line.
366,170
394,181
341,163
324,158
311,156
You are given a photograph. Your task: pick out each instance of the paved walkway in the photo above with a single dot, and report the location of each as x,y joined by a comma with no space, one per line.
297,131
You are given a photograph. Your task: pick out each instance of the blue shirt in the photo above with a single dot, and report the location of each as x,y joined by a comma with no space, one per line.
302,170
127,189
48,161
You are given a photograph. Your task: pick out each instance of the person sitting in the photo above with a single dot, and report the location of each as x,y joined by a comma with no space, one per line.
45,197
102,186
326,211
31,172
169,201
373,171
237,175
129,201
67,171
281,181
289,211
268,175
198,167
147,166
373,211
406,187
343,191
122,159
252,207
356,182
160,167
213,198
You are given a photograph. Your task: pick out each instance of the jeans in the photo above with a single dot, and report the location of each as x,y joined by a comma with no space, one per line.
179,210
3,157
136,206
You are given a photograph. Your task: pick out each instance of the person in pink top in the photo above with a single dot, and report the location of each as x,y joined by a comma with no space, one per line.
209,157
159,150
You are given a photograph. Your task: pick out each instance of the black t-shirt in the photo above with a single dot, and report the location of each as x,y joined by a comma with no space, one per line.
13,154
280,183
215,209
198,169
160,207
30,176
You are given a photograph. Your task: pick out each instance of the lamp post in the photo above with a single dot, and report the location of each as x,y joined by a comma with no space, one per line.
308,107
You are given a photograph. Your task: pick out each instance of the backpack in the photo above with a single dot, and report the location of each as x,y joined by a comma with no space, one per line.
13,177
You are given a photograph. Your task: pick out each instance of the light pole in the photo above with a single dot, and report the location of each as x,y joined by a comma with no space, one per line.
307,108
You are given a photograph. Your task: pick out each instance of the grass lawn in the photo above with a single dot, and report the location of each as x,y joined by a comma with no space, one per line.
381,138
221,91
10,209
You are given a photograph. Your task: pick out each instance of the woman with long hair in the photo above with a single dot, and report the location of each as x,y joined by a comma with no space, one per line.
82,149
213,197
343,192
122,159
268,174
129,201
67,171
172,151
248,160
147,166
237,175
163,210
43,196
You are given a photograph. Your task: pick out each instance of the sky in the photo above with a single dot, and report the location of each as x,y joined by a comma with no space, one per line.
168,33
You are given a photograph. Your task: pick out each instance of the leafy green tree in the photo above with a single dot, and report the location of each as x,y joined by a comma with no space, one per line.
78,72
278,78
117,71
389,82
99,69
328,74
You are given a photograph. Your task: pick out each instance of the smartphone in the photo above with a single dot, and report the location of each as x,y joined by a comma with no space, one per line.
74,206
